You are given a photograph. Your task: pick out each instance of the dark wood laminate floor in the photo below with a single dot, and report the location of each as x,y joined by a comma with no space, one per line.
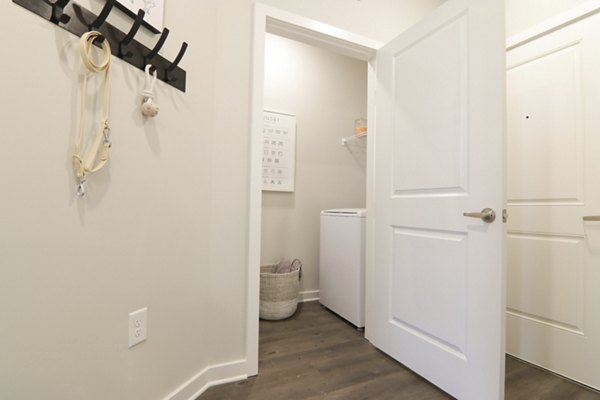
316,355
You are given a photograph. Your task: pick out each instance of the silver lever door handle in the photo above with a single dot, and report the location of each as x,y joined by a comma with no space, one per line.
487,215
592,218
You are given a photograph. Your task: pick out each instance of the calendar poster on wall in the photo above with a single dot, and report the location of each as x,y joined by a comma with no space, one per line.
279,152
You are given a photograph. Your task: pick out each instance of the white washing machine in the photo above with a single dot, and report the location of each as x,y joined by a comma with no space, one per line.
342,263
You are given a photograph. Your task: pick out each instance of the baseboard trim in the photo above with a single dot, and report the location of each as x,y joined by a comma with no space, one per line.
308,295
208,377
222,373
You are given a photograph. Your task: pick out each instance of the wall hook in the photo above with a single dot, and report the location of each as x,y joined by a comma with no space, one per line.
175,63
130,35
99,20
108,6
159,44
58,17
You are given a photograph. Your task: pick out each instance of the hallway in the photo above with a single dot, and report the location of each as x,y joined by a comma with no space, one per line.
316,355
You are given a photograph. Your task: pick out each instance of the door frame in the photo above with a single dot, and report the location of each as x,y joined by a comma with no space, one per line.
554,23
283,23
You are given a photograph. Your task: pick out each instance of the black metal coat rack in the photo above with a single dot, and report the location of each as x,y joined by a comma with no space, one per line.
78,20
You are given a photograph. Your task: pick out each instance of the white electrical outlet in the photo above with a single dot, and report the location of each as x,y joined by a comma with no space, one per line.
138,326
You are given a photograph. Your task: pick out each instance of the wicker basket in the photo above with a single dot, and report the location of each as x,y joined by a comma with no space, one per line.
278,293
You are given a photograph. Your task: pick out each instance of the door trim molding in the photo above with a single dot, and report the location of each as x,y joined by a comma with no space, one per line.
293,26
553,24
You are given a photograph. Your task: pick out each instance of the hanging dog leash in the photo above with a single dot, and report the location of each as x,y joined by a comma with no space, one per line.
87,165
149,106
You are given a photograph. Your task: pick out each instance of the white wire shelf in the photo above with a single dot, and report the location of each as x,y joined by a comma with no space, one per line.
353,138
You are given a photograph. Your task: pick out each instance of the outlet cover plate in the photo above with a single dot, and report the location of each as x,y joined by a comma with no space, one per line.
138,326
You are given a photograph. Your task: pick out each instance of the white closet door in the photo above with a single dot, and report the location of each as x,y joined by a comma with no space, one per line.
436,290
553,314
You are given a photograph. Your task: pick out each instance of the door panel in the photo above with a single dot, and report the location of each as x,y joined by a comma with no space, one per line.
425,261
546,280
431,99
545,117
553,255
436,300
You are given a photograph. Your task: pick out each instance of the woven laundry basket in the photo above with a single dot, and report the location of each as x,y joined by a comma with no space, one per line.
278,293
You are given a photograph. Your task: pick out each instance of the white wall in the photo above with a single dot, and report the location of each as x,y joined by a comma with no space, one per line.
326,92
165,224
523,14
72,269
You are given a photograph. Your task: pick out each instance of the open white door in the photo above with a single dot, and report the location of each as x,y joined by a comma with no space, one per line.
436,289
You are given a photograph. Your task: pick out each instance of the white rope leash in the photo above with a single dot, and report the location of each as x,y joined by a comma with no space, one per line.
85,166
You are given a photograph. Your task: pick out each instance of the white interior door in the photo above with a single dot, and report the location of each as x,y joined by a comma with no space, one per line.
436,284
553,162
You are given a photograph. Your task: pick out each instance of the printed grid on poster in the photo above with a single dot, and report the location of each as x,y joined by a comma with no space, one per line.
279,152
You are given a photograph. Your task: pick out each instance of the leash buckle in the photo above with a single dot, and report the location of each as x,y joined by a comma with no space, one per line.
106,133
81,188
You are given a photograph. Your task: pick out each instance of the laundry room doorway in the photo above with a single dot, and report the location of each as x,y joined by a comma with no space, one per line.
322,82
